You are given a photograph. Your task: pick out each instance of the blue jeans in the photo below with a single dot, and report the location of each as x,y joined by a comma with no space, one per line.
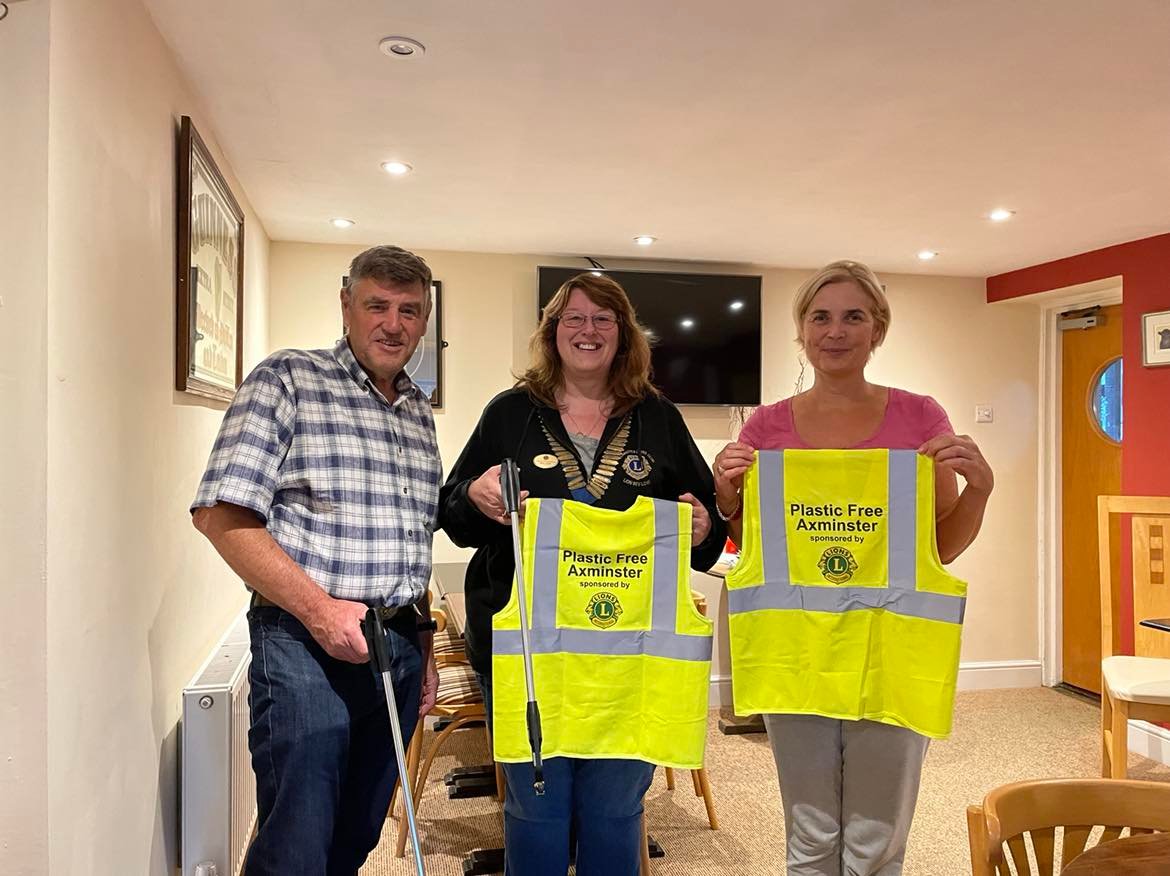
600,801
321,745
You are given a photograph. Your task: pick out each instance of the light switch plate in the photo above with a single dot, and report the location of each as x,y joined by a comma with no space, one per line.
984,414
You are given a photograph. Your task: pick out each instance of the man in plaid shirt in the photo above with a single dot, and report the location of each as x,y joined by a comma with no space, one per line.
321,493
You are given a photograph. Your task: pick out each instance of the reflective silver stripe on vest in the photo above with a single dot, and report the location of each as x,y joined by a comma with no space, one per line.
903,519
900,597
666,546
545,565
652,643
661,640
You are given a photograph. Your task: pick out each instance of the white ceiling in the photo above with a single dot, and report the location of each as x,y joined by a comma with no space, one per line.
789,132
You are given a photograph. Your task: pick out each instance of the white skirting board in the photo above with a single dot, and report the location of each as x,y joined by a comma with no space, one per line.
1149,740
1146,739
985,675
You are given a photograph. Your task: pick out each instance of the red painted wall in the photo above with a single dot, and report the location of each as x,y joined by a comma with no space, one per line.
1144,266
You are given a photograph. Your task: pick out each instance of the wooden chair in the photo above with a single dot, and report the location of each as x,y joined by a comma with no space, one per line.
1134,687
702,789
1036,809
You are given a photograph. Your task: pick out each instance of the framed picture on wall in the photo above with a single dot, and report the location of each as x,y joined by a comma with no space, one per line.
1156,338
425,367
209,275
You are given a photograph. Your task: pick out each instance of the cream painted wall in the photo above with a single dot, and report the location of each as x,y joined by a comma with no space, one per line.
136,597
24,119
945,341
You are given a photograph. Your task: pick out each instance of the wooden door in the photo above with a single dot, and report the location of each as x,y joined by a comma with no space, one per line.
1090,467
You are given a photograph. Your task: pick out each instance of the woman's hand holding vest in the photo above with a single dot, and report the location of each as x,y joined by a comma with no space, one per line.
961,454
730,464
700,519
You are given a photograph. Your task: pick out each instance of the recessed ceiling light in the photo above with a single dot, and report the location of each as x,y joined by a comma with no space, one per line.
341,223
402,47
596,273
396,168
735,305
687,322
1001,214
644,240
927,254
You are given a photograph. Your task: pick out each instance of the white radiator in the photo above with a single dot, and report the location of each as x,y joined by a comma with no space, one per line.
218,786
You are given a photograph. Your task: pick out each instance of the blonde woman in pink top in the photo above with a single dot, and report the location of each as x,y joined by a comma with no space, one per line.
849,787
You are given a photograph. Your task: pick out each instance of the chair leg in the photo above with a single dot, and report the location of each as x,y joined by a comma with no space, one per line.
499,769
1119,744
1106,730
669,778
708,797
644,867
695,782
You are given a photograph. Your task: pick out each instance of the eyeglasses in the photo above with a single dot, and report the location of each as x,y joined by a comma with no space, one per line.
603,322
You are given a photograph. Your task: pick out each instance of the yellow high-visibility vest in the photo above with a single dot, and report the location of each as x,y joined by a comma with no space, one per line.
621,657
839,605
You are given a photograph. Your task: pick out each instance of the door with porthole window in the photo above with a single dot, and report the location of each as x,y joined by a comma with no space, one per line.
1092,429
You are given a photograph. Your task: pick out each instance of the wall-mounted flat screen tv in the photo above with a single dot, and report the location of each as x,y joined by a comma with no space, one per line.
704,330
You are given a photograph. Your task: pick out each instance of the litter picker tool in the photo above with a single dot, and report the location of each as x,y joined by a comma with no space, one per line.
510,492
380,662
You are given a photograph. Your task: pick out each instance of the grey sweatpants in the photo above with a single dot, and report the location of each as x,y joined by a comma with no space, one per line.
848,789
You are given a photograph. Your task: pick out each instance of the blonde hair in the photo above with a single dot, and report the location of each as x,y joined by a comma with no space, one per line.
837,272
629,374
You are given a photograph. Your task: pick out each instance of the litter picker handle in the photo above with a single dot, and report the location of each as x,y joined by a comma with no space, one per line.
510,486
376,641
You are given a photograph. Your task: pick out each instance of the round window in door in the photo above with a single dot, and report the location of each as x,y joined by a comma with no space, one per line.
1105,401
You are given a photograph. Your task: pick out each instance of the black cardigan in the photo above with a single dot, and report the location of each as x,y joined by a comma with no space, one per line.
511,427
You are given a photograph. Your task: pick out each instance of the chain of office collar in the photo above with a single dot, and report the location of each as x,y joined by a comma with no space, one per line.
598,483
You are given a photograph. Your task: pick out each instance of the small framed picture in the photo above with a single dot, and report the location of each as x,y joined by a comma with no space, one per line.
426,365
209,275
1156,338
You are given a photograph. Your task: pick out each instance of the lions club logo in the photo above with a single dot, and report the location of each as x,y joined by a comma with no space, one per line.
603,610
837,565
636,465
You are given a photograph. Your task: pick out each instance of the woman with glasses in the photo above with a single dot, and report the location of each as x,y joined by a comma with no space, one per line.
584,423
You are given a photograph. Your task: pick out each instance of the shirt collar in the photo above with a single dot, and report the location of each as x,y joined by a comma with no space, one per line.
345,357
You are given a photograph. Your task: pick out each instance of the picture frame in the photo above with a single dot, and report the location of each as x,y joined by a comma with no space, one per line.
209,274
1156,338
425,367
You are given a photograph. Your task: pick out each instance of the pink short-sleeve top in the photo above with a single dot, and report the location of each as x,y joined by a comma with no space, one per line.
909,421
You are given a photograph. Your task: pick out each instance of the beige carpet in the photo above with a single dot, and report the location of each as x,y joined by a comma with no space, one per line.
1000,736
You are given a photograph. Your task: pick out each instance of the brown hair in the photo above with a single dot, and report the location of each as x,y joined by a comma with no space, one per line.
629,375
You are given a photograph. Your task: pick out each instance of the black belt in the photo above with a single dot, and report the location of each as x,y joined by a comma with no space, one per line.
403,613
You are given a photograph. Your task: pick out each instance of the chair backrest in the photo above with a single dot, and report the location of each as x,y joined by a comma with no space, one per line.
1037,808
1151,593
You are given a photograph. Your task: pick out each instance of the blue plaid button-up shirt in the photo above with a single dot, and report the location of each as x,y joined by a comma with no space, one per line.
346,482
